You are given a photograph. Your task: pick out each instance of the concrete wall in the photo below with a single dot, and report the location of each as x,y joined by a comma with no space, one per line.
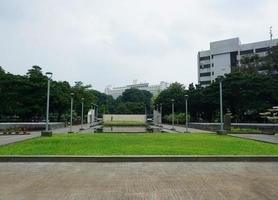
138,118
31,125
266,128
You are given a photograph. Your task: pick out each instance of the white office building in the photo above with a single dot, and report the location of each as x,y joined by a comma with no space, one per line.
154,89
226,54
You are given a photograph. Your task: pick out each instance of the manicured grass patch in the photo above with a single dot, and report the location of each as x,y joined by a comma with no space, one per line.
124,123
139,144
246,130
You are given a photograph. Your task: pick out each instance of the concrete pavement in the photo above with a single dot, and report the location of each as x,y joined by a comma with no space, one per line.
183,129
259,137
8,139
241,181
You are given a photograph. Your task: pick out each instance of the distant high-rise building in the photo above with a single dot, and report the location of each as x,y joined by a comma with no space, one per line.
154,89
226,54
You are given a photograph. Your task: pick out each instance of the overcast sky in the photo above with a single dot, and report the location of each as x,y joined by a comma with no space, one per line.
112,42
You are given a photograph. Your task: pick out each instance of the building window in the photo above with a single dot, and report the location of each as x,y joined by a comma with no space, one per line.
205,82
233,58
265,49
205,58
204,74
204,66
207,66
246,52
212,73
212,64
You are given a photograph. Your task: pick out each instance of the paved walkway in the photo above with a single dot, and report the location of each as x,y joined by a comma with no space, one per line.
68,181
8,139
259,137
183,129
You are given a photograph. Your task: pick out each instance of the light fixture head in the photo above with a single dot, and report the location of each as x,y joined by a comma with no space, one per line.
220,78
49,75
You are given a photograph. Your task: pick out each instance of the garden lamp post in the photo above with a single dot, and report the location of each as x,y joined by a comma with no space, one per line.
82,113
161,112
221,104
173,114
96,113
71,110
92,116
47,132
186,112
157,116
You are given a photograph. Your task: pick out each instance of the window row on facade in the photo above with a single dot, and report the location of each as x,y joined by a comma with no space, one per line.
206,74
244,52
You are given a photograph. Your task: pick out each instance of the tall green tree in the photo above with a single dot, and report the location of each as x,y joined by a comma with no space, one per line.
175,91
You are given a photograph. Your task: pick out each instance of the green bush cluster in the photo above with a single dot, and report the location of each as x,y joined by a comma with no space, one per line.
179,118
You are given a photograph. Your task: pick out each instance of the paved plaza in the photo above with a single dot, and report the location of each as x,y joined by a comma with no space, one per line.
160,180
8,139
182,129
259,137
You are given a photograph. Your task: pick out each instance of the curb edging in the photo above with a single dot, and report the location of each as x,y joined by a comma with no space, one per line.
138,158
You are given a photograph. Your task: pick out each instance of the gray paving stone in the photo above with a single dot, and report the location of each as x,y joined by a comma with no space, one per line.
259,137
226,180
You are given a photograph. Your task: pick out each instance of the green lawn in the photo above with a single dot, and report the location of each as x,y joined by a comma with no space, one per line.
139,144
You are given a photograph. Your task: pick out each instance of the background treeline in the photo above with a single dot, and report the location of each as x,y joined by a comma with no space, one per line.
23,98
246,93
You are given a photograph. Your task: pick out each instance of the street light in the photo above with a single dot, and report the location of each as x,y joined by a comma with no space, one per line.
221,104
92,117
96,113
186,117
47,132
157,115
173,114
161,112
71,108
82,113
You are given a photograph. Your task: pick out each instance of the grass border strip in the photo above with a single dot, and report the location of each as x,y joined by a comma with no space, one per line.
138,158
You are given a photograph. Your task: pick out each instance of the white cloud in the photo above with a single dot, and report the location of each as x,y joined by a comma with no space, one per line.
113,42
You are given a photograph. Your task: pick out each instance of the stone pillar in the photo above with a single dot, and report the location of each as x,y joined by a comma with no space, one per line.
156,117
227,121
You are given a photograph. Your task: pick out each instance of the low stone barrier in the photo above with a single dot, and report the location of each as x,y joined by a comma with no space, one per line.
31,125
138,158
114,117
